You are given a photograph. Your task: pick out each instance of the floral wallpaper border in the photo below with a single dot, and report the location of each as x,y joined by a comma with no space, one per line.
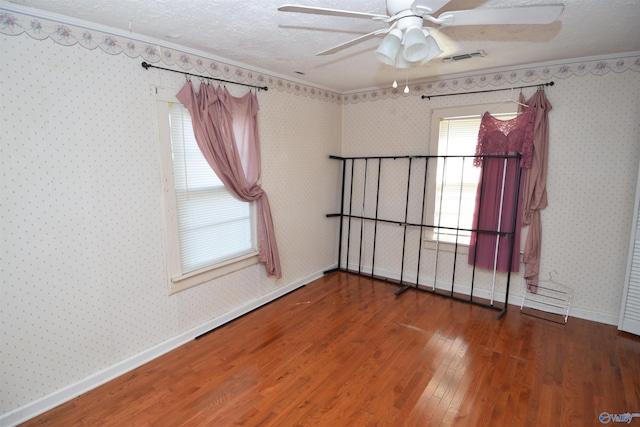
14,23
532,75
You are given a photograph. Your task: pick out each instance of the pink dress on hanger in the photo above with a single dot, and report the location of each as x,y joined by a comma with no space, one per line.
500,137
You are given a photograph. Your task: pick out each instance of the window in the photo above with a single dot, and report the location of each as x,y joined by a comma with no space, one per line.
210,232
453,189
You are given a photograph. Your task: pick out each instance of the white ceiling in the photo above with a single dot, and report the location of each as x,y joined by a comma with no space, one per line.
254,34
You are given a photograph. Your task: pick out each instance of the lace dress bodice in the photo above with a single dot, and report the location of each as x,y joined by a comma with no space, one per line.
502,137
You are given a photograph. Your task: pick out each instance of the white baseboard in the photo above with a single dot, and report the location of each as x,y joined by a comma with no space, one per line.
58,397
594,316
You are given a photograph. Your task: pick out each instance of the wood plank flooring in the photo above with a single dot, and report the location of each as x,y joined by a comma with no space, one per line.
344,351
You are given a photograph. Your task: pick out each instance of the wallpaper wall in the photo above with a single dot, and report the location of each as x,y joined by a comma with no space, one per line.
593,165
83,286
83,283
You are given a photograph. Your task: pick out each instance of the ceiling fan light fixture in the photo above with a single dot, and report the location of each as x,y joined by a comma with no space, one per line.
407,44
389,47
415,45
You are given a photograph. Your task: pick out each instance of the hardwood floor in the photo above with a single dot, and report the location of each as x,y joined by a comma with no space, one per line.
344,351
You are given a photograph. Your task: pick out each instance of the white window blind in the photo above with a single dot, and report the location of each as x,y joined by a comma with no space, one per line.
457,178
213,225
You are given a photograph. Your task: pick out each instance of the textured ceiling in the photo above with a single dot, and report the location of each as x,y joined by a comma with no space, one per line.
254,34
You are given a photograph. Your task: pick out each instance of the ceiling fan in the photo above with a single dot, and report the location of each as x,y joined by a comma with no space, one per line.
408,42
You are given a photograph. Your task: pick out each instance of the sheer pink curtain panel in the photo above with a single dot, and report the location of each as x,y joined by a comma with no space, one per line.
226,130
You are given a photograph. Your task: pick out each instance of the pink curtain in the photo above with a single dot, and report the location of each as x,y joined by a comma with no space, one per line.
226,130
534,196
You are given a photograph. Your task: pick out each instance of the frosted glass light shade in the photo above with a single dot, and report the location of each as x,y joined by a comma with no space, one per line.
415,45
434,50
401,63
389,47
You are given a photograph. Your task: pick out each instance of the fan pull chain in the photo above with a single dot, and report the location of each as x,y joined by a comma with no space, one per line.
406,82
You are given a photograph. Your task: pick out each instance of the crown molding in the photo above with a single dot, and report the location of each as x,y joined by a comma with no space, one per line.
41,25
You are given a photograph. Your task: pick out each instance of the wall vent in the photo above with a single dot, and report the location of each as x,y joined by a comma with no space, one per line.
476,54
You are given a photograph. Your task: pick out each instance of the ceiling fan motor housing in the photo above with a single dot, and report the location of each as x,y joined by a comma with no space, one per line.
405,22
396,6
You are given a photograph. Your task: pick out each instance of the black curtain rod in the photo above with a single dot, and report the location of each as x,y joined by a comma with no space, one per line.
146,66
484,156
485,91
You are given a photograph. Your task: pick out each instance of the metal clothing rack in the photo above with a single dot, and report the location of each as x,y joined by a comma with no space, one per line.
384,201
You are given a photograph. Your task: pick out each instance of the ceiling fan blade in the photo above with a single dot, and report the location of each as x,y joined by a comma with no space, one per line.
508,15
353,42
427,7
332,12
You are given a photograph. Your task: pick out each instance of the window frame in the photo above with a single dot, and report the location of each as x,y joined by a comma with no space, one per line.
438,114
177,280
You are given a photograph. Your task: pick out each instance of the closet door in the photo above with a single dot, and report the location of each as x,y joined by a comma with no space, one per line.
630,309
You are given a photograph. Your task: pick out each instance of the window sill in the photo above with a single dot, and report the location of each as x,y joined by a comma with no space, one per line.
463,248
195,278
445,246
